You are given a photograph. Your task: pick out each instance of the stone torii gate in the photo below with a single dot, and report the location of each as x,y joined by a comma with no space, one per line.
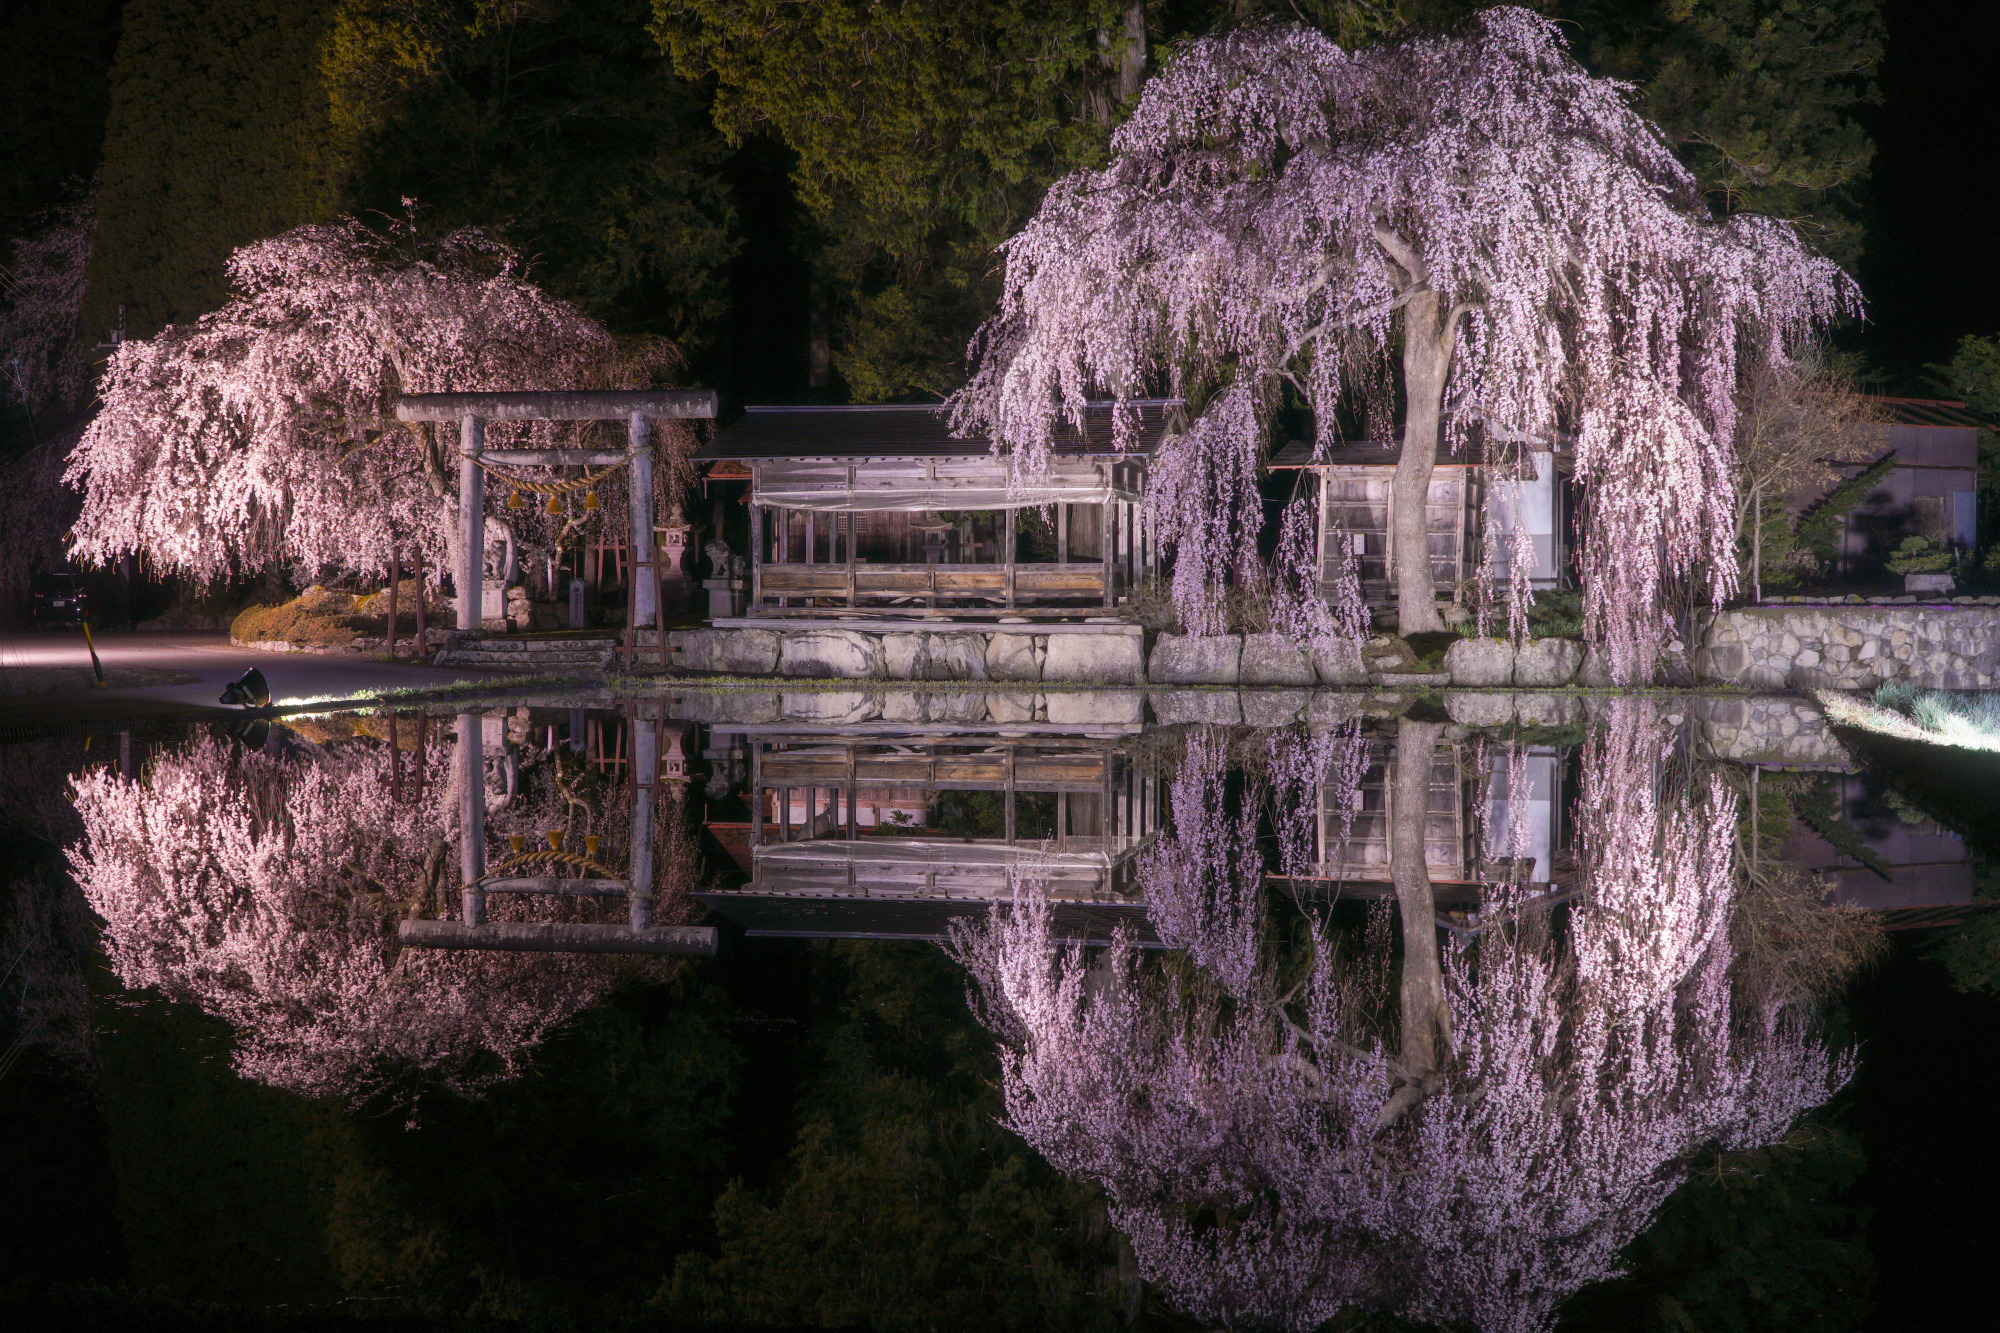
639,935
637,408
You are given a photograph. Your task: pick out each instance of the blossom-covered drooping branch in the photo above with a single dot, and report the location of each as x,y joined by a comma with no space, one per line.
41,298
265,431
1205,877
1236,1122
1283,216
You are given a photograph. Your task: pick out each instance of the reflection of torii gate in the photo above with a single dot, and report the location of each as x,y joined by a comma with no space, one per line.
637,408
474,931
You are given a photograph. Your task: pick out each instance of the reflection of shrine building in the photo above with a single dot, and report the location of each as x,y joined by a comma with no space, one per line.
1352,835
1928,865
890,838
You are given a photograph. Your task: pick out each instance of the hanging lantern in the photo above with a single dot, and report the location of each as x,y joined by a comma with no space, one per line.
555,839
590,499
590,841
555,503
514,501
517,843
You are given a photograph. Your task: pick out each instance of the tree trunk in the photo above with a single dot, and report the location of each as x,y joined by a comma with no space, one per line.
1757,551
1132,56
1426,363
1425,1036
1123,53
395,576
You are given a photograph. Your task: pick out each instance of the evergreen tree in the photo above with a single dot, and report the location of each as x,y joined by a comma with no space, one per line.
559,127
55,62
1756,96
925,132
217,136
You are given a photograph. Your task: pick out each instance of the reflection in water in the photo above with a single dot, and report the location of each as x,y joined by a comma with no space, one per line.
1294,1124
1371,1012
265,886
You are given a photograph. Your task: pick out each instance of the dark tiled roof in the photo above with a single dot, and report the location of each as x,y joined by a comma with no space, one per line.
921,431
1299,453
1931,412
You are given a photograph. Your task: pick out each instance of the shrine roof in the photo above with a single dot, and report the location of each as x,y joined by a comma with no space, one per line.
913,431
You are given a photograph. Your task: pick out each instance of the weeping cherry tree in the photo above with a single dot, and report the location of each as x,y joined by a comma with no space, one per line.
1282,221
265,432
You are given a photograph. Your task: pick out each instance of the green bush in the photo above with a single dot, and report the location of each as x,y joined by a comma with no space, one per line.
1919,555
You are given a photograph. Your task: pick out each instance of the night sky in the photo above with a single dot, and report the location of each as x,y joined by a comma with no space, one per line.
1932,269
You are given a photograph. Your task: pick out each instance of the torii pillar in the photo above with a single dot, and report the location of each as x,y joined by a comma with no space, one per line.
637,408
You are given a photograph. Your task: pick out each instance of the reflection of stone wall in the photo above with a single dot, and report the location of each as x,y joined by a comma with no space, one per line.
1767,729
1852,647
852,708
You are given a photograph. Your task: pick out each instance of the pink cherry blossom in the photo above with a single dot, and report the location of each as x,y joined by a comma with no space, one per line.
266,890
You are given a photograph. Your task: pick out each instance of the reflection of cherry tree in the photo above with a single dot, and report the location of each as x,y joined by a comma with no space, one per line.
1275,1155
265,890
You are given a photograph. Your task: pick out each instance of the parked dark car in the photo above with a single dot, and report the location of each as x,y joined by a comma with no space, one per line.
60,602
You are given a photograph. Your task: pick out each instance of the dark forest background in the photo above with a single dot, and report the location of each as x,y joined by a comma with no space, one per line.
807,197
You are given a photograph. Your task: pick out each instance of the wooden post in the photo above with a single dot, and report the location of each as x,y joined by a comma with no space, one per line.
1009,830
852,519
471,817
1007,548
645,773
471,522
1106,552
395,577
756,554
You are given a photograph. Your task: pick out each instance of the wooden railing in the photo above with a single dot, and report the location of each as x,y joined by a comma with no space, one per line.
865,584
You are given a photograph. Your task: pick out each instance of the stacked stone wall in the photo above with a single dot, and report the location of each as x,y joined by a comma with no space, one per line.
1852,647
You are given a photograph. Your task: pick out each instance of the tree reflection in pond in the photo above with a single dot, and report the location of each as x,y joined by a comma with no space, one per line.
265,886
1469,1134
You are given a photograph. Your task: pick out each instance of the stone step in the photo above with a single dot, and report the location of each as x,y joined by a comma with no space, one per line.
540,645
1410,679
545,655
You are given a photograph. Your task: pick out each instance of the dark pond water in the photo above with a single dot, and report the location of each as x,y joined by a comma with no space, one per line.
868,1010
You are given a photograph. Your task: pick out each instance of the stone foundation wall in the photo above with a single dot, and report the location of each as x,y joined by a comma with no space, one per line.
1852,647
1012,655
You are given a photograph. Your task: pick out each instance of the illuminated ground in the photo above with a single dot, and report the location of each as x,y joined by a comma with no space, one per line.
207,657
